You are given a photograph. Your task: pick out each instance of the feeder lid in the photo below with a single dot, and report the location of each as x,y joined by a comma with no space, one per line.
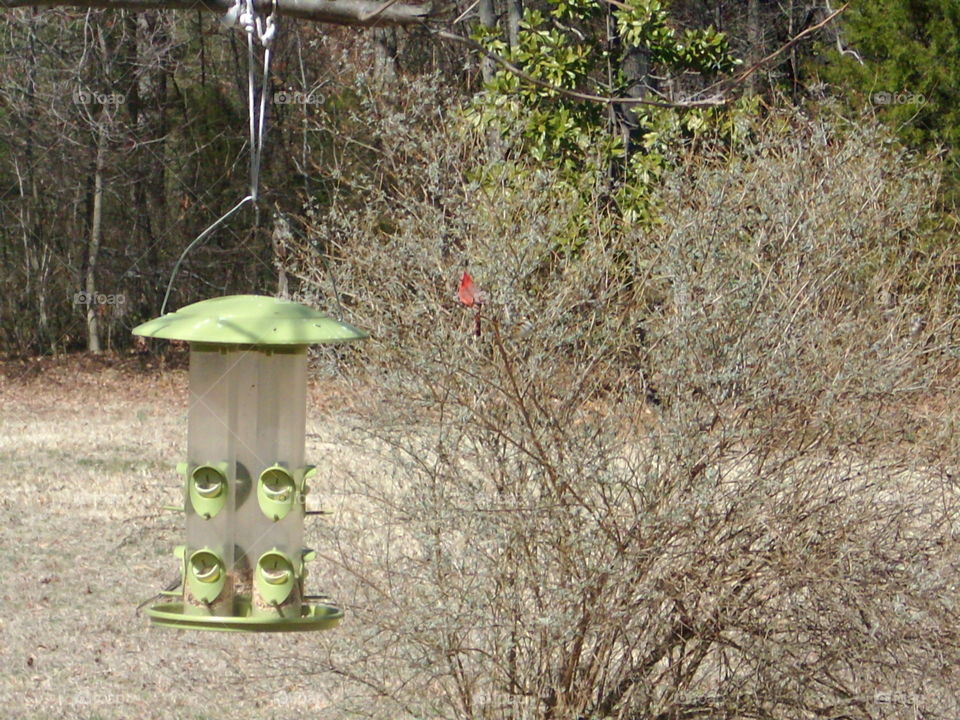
249,320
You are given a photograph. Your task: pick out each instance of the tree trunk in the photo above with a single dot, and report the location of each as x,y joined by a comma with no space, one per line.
488,68
132,54
514,16
93,248
634,65
282,239
385,52
488,18
160,131
149,118
755,51
794,73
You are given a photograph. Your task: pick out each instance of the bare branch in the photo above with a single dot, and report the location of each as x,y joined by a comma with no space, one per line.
368,16
339,12
744,74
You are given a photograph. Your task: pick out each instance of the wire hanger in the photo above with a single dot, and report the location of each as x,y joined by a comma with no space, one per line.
244,15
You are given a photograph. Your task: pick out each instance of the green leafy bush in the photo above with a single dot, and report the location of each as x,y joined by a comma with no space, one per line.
566,48
899,70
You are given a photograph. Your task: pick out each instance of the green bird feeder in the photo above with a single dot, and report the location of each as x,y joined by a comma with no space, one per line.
243,566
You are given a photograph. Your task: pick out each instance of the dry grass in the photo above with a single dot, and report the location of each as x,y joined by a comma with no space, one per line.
87,455
93,447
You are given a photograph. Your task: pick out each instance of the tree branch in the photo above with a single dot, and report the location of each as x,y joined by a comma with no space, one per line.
338,12
744,74
368,16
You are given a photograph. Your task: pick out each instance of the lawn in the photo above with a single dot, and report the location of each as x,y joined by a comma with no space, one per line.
87,457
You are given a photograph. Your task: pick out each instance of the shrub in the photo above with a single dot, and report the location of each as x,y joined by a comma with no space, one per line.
685,470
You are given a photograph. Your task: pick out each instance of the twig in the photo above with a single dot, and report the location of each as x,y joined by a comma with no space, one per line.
365,17
466,12
738,79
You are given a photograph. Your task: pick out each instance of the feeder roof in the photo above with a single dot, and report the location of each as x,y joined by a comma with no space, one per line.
249,320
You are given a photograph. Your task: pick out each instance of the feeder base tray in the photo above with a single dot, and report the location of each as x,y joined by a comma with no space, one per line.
313,617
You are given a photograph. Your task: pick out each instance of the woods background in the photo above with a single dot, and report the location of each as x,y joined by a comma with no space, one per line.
123,135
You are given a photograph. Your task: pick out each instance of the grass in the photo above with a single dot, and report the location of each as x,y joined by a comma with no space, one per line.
83,478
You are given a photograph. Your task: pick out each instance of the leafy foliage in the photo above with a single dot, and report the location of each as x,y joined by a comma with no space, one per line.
909,75
579,46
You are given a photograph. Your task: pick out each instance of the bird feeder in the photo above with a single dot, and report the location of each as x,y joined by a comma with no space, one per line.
244,482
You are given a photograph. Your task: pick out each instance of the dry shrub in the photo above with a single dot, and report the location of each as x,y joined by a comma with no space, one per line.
684,471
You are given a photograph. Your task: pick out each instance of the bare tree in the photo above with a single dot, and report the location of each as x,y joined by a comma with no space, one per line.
93,244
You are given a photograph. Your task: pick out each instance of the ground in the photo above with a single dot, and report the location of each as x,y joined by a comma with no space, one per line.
88,449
